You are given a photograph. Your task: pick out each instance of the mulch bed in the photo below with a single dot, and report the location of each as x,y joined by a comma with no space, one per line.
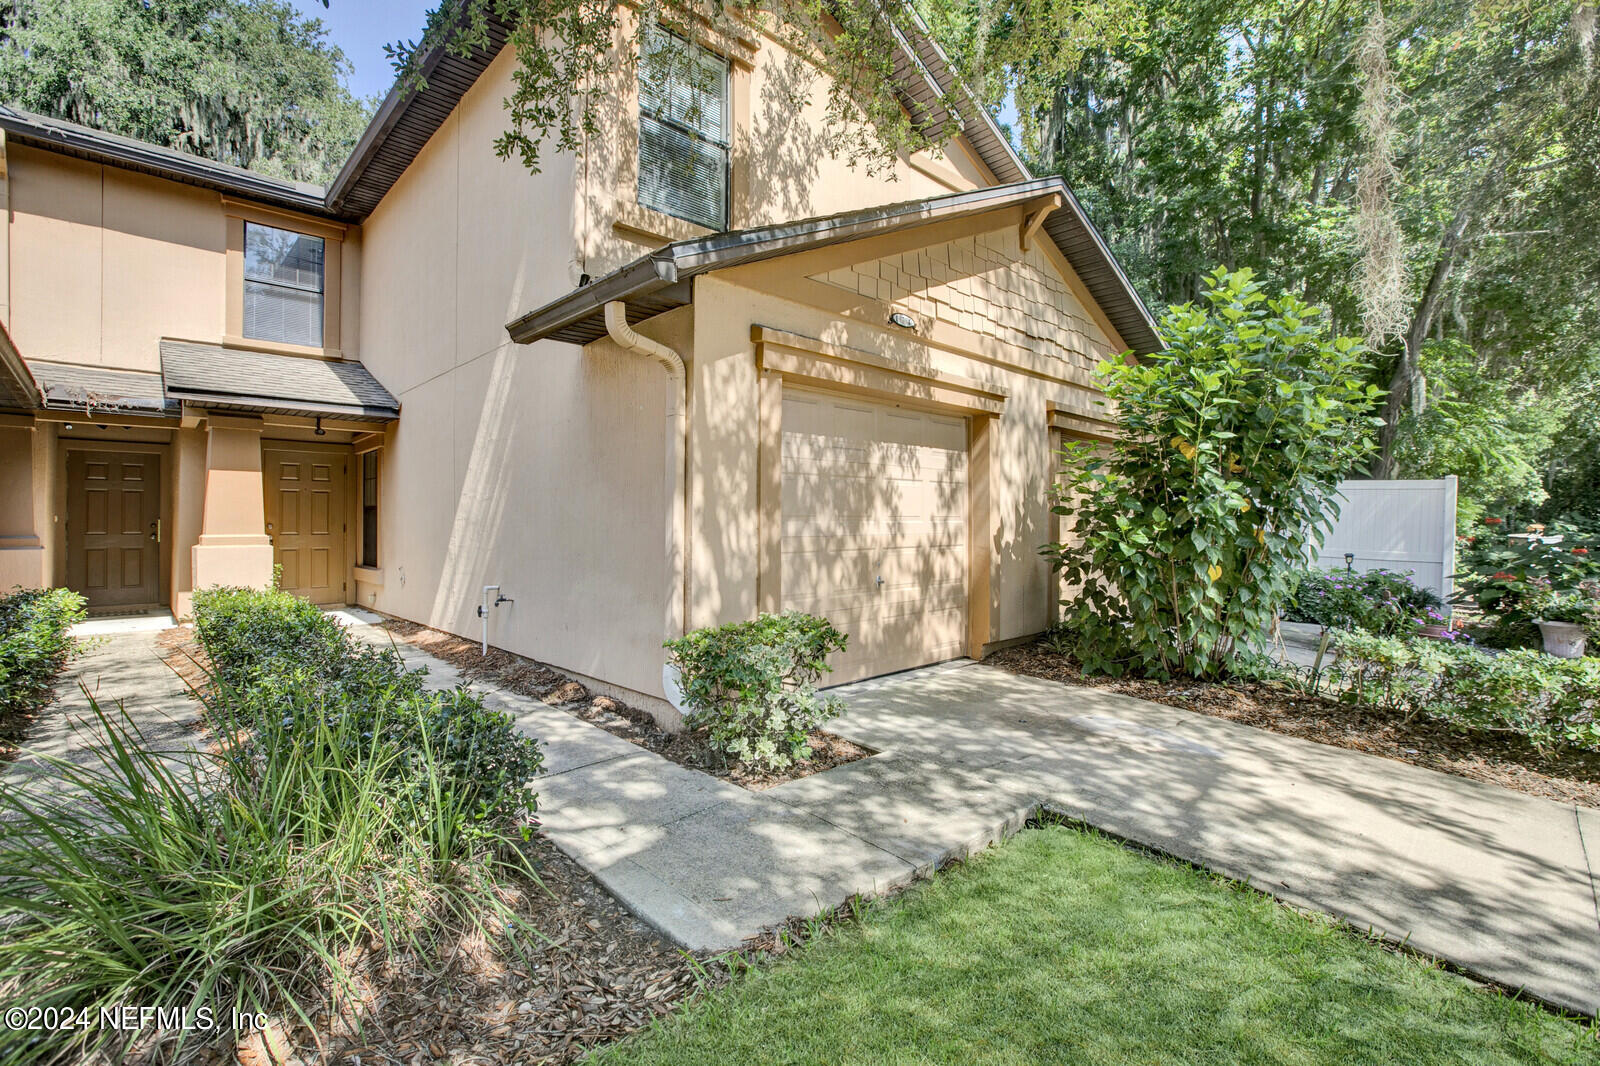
1571,777
593,975
686,748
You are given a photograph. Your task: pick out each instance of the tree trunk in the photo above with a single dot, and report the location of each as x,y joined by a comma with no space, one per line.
1403,392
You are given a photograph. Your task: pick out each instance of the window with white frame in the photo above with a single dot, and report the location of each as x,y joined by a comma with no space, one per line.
283,285
683,130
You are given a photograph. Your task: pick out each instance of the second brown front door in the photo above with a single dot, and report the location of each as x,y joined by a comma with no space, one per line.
114,527
306,506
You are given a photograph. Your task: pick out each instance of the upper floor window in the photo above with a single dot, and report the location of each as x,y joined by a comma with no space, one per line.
683,130
283,285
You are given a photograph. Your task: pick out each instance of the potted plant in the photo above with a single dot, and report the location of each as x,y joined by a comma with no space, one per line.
1563,622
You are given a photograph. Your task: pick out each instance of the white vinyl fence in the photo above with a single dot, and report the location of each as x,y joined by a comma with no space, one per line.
1397,525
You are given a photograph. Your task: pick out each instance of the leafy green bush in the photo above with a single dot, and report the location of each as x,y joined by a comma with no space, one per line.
34,645
1553,703
246,631
1388,672
1184,535
752,685
279,657
1572,607
1376,601
245,880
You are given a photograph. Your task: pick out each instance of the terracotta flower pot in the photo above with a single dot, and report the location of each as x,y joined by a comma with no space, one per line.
1564,640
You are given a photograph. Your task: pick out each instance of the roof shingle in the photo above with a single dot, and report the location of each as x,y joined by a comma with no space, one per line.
219,377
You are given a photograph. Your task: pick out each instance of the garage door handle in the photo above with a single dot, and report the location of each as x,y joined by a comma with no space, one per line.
880,581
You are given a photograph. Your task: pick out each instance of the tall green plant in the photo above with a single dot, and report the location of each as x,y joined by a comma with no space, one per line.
1184,534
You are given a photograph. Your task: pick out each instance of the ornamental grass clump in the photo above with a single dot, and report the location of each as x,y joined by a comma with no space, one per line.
752,685
1182,534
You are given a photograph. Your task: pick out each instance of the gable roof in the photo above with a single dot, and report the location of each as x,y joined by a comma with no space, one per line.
405,121
660,280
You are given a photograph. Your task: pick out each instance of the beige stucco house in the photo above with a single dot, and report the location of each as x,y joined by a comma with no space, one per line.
697,370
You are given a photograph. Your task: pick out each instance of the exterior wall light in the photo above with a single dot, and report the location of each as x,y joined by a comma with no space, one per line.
903,320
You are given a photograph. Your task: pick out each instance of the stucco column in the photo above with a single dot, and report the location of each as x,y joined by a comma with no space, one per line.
22,485
233,548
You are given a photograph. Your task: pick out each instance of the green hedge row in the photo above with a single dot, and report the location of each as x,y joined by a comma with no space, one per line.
277,654
35,645
1553,703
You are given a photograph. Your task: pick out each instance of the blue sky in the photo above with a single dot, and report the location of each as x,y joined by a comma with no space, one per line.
362,28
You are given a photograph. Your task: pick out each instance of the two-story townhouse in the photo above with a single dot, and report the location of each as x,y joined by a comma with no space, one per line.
696,370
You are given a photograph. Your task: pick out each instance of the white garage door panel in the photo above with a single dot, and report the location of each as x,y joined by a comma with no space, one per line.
869,492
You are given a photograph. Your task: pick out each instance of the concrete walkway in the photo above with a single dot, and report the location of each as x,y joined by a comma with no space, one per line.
1495,881
119,664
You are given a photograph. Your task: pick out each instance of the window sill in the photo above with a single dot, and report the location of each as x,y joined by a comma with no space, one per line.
251,344
369,575
634,218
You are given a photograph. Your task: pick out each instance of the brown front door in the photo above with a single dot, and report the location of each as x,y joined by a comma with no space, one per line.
114,527
306,520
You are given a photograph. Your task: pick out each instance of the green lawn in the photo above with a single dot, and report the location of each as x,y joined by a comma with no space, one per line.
1062,946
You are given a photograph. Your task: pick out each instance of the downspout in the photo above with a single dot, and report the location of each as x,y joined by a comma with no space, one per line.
677,619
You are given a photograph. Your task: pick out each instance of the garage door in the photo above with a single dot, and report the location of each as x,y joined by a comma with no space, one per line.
875,529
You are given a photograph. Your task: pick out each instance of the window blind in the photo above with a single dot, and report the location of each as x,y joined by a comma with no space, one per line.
683,130
283,286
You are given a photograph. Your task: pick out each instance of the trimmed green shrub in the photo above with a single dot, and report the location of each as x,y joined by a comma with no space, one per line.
1184,531
1375,601
1552,703
281,658
752,685
248,631
35,645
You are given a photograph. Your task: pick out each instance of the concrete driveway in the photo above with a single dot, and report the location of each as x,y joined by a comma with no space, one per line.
1499,883
1496,882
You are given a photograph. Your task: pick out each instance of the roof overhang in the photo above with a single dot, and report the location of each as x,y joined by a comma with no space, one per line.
661,280
405,121
99,390
236,379
98,146
18,389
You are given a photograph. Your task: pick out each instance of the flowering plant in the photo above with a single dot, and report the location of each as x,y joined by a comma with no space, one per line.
1376,601
1571,607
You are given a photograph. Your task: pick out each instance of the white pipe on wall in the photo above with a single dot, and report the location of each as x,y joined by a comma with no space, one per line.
677,619
483,613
